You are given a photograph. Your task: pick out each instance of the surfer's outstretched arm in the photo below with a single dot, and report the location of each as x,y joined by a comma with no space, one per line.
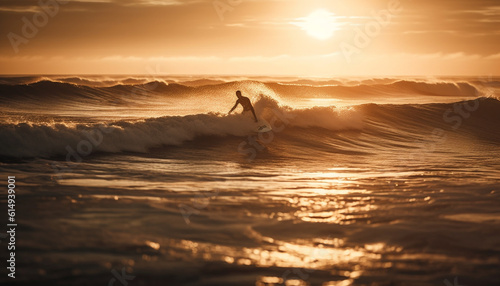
235,105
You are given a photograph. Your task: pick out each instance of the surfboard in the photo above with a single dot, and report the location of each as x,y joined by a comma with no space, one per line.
264,127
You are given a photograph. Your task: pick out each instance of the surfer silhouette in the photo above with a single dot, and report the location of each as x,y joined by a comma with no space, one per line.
245,102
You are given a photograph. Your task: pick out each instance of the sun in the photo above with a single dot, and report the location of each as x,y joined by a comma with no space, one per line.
320,24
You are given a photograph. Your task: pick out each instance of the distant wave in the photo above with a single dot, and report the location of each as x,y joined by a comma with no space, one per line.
56,93
395,88
42,90
46,140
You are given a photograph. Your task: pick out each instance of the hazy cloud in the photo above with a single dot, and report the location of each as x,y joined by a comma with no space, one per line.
255,30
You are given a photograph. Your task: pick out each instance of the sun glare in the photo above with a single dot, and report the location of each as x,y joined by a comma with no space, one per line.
320,24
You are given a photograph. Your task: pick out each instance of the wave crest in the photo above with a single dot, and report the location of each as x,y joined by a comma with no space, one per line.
45,140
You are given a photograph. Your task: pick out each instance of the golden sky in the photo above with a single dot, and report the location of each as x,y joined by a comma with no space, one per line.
251,37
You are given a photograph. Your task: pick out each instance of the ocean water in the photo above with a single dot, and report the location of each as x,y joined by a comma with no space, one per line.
147,181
